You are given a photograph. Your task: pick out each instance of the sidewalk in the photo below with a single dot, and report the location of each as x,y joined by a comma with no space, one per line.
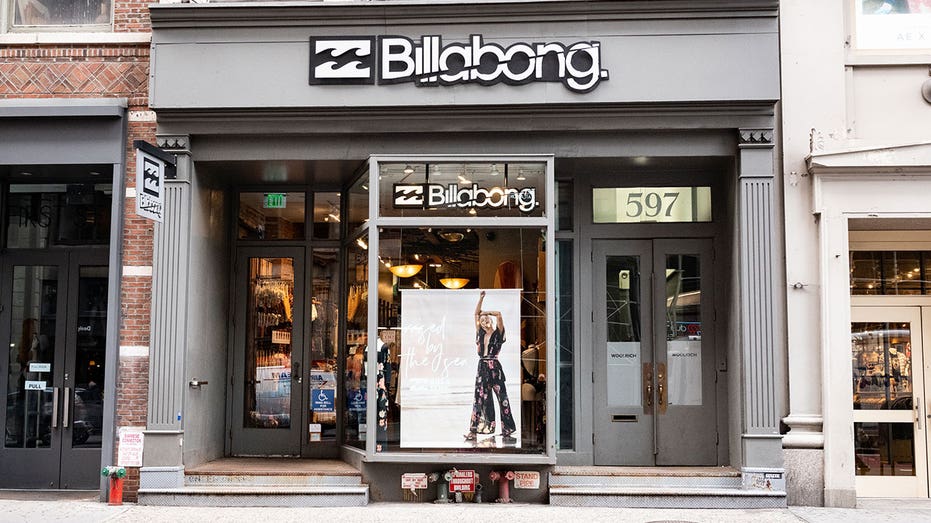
16,507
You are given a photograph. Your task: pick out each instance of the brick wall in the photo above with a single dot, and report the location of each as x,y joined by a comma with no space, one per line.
106,71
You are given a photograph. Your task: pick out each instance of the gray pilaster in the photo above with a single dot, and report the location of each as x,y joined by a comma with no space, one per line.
762,371
169,315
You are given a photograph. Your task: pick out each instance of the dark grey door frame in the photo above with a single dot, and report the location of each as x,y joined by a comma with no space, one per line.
653,431
59,465
269,441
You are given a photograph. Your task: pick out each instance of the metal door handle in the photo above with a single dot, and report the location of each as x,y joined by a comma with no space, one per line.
67,413
917,413
55,407
648,388
296,372
661,387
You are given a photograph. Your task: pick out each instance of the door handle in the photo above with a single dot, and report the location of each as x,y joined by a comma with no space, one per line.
67,411
296,372
661,387
647,388
917,402
54,407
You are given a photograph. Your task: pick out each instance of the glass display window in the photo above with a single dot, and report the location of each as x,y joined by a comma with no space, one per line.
448,345
44,215
271,215
889,273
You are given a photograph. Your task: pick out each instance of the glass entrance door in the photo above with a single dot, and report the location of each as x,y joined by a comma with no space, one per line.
53,321
889,400
268,361
654,353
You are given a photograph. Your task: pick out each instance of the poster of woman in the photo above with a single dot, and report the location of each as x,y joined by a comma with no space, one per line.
460,368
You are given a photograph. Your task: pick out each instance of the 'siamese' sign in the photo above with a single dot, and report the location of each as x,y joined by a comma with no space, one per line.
130,453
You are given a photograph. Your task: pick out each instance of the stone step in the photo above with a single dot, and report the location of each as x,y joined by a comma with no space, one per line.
246,480
561,480
257,496
665,497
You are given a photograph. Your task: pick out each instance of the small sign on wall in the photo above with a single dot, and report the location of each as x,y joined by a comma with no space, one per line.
526,479
130,453
35,385
40,367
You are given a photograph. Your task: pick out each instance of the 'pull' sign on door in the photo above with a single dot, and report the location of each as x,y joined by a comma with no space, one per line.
153,167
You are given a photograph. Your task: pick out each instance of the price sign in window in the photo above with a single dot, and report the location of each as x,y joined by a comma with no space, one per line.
651,204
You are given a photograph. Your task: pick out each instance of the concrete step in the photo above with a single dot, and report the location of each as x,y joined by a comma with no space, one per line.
658,487
257,496
295,480
608,481
666,497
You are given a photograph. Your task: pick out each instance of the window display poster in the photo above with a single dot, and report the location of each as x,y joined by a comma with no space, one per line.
450,397
893,24
684,360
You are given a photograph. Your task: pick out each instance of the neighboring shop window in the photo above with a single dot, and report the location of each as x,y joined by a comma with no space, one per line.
461,339
893,24
43,13
355,379
565,337
271,216
889,273
42,215
883,380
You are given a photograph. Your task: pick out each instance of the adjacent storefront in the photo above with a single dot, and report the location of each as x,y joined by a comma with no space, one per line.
475,235
62,165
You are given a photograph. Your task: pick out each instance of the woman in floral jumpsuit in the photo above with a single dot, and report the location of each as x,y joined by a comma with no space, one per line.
489,338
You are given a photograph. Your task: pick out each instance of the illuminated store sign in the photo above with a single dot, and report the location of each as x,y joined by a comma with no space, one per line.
397,59
434,195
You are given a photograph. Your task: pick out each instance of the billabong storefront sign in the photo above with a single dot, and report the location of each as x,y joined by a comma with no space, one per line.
430,62
434,195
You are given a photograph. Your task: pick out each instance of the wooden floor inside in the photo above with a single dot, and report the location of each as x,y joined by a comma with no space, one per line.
274,466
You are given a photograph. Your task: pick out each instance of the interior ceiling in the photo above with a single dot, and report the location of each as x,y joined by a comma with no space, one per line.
70,173
890,224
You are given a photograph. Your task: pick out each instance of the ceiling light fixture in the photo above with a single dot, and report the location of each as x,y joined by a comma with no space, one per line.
454,283
494,170
408,169
404,270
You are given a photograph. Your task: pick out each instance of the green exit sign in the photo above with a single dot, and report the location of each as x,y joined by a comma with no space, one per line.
275,200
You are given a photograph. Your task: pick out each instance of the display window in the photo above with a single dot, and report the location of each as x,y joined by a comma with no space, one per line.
893,24
39,216
447,310
889,273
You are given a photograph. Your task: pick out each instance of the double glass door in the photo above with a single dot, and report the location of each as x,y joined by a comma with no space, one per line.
654,354
53,321
284,363
890,400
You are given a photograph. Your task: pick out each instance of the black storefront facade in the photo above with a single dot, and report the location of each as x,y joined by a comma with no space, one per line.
417,236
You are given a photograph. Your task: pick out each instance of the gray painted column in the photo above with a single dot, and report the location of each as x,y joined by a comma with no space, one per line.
762,372
162,458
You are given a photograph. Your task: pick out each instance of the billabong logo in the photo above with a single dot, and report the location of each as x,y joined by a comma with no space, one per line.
434,195
342,60
430,62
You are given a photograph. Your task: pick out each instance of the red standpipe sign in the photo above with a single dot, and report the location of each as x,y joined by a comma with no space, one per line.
462,481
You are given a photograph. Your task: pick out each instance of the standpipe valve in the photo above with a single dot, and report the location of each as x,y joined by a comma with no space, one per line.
504,488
